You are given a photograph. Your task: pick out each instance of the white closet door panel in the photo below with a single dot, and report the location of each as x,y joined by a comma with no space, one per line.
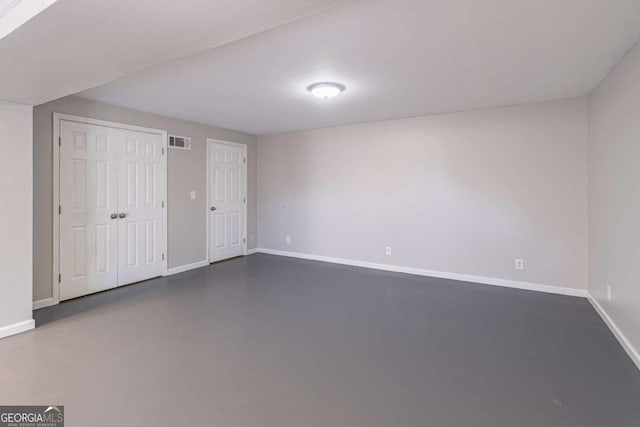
88,197
140,231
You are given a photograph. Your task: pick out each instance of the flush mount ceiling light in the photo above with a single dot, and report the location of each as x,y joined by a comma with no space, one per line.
326,90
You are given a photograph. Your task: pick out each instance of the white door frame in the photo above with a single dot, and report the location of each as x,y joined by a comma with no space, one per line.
57,117
244,189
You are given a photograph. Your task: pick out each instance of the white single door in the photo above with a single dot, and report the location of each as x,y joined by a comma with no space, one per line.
140,225
227,168
111,208
88,204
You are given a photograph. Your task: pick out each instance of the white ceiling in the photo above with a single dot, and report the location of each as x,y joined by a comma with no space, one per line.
398,58
78,44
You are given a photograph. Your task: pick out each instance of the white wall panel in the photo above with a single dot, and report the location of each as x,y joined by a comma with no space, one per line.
464,193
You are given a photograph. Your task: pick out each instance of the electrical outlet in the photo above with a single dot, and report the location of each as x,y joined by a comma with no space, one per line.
288,240
253,238
193,195
387,250
519,264
608,292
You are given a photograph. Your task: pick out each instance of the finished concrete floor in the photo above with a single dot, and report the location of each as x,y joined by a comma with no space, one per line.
276,342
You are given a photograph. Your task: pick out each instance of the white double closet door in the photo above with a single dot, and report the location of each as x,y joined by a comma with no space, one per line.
111,207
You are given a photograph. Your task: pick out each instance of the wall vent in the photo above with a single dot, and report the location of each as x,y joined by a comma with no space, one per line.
180,142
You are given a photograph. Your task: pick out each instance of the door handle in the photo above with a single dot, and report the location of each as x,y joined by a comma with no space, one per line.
114,215
213,208
122,215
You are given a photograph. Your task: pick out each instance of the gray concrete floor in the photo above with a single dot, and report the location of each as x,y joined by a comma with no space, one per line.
276,342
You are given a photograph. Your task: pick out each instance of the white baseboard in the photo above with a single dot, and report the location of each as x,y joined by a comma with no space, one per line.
42,303
252,251
622,339
439,274
16,328
186,267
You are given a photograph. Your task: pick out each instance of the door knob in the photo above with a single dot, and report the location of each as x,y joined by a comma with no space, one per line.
123,215
213,208
114,215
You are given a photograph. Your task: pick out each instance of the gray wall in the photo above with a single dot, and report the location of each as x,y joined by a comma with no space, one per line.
15,228
614,195
460,193
186,169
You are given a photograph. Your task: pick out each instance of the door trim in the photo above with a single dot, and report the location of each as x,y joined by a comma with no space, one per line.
57,117
244,189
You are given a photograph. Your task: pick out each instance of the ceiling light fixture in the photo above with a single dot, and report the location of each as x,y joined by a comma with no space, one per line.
326,90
